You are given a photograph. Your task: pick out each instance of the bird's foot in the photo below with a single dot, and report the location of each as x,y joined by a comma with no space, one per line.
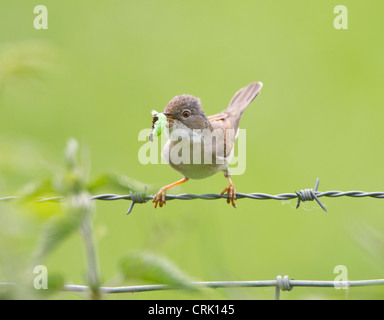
231,194
159,198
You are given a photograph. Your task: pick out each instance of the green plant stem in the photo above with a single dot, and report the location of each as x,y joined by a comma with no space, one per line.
90,248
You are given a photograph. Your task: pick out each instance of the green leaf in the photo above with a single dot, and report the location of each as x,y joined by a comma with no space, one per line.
54,232
154,269
37,189
26,59
117,181
76,207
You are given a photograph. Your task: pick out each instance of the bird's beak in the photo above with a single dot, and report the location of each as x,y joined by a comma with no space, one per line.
169,116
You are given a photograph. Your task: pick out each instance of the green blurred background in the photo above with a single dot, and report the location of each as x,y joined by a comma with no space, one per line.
102,66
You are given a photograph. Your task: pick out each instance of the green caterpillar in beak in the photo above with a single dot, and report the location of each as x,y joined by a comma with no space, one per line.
159,121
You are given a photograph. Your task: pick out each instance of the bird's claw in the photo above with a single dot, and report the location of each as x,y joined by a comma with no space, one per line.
159,198
231,194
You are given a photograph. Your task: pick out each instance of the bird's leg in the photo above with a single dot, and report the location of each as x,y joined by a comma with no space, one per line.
230,189
159,198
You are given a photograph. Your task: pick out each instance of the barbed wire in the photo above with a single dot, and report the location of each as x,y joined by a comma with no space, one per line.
301,196
280,284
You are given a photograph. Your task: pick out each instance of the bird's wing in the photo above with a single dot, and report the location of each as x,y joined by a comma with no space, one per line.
218,117
220,125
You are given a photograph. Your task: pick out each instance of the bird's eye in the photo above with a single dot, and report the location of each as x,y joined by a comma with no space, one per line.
186,114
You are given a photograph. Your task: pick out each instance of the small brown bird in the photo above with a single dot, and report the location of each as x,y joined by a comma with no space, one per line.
186,117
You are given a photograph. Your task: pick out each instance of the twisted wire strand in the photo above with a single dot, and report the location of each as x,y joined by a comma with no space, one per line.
302,196
214,196
281,284
256,196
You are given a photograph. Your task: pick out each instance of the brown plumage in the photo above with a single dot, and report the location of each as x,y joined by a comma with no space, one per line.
185,112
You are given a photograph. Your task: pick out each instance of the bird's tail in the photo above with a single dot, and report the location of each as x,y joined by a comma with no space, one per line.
236,107
243,98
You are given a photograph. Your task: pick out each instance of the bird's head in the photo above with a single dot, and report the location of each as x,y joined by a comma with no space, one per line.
185,111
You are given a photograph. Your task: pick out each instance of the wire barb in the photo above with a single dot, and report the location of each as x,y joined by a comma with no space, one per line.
282,284
309,195
137,197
